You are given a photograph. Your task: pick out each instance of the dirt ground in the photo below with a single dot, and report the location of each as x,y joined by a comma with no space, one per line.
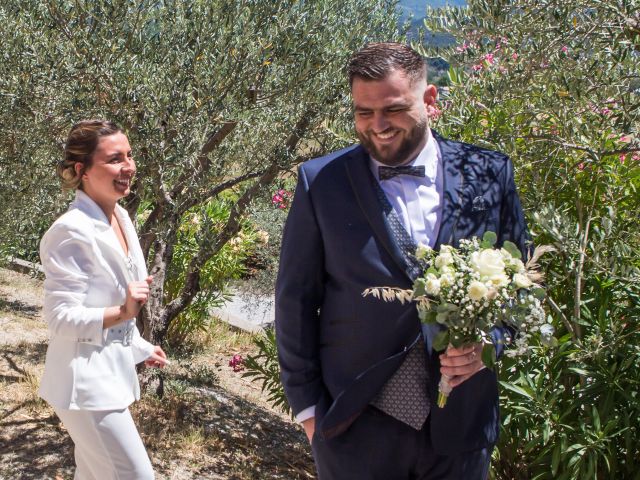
211,423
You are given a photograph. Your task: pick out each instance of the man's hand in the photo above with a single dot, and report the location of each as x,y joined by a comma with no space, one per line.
460,364
309,427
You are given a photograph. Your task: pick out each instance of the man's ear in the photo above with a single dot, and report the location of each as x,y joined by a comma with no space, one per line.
430,95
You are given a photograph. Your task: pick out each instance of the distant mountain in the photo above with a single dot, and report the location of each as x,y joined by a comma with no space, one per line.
417,9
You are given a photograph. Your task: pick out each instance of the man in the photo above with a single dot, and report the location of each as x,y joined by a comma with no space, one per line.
359,373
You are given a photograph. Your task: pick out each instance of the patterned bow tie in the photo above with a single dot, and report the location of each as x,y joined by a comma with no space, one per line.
385,173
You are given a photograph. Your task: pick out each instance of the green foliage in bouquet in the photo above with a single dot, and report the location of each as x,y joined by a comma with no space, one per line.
555,85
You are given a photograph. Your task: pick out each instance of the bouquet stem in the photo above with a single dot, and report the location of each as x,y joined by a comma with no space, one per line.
444,389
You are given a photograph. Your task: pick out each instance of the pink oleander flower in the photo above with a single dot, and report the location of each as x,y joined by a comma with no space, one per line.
623,157
489,58
624,139
635,156
434,113
514,56
477,67
564,49
581,166
237,363
281,199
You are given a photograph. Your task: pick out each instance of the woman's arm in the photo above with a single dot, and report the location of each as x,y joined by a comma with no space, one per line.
68,260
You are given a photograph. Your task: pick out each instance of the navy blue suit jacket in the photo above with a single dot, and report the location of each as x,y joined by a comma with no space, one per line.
337,348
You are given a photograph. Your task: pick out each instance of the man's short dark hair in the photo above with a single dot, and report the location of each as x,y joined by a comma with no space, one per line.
376,61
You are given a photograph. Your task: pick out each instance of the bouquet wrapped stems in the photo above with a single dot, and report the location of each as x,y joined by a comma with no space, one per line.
444,389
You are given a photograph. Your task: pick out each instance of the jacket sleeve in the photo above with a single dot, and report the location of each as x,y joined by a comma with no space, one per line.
141,348
67,258
299,295
513,227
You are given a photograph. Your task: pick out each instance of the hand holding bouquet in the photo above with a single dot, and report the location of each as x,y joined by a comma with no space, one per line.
473,290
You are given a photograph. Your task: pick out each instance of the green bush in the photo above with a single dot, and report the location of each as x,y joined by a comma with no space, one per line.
216,274
554,85
264,368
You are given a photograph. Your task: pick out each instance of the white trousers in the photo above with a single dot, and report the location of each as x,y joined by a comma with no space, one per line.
107,445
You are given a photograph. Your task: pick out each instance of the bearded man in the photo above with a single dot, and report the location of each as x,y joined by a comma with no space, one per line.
361,374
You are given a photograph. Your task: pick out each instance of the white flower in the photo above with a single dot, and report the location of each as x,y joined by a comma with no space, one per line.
423,251
547,330
432,284
446,280
500,281
488,263
477,290
444,258
522,281
519,266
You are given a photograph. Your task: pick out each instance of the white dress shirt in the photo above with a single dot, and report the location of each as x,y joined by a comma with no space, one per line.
416,200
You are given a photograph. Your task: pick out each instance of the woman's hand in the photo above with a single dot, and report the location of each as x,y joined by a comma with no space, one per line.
157,359
137,296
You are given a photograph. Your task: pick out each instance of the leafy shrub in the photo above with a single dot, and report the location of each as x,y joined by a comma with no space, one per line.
215,275
552,85
263,367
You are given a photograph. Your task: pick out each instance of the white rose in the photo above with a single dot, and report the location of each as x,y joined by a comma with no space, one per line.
519,266
446,280
522,281
500,280
444,258
432,284
489,264
423,250
477,290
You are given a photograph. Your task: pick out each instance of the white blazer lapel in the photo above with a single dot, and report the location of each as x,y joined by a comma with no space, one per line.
133,242
110,254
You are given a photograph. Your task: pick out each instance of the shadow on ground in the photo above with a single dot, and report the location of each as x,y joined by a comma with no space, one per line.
21,308
197,430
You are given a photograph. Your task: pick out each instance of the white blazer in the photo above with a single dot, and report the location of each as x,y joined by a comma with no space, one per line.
88,367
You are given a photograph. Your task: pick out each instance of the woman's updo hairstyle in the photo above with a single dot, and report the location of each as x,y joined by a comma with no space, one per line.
81,143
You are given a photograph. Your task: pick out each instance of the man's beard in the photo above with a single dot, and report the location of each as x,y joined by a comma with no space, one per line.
404,153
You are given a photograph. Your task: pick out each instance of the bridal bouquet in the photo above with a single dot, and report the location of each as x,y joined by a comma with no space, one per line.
473,289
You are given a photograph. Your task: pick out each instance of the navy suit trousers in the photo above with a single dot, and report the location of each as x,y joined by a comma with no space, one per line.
379,447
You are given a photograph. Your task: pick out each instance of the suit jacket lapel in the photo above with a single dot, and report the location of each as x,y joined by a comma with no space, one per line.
453,160
361,180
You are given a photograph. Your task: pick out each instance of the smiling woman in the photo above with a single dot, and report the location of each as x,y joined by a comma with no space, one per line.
96,282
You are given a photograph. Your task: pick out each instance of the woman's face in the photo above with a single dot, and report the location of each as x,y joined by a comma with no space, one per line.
109,176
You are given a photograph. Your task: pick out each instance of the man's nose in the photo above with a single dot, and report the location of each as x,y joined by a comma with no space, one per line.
380,122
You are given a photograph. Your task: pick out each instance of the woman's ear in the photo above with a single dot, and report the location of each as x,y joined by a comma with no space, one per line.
79,168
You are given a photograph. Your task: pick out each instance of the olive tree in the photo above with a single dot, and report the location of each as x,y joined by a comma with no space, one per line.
218,98
556,85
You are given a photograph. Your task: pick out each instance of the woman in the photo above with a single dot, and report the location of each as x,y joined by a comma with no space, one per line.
96,282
